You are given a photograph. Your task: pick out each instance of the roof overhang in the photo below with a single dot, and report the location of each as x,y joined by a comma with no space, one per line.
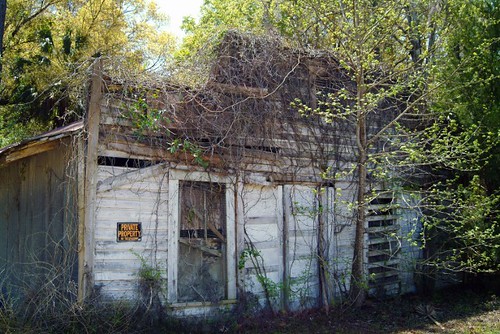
35,145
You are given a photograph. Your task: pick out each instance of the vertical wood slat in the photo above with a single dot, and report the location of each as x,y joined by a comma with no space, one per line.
285,249
231,241
240,230
280,221
173,244
81,216
33,206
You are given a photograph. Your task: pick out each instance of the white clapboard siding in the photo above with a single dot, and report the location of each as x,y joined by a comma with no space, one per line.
253,285
136,196
120,290
340,234
262,209
302,256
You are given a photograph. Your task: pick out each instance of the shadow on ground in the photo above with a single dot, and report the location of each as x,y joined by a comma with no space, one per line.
455,310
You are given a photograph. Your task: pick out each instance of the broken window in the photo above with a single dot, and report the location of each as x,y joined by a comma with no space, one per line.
202,242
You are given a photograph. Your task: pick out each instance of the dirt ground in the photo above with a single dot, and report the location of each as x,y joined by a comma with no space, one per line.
456,310
452,311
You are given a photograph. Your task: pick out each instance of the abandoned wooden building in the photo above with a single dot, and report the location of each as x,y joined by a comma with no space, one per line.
226,191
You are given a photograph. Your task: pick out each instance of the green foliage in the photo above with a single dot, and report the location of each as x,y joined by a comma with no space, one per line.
446,145
49,46
186,146
150,276
11,130
472,43
245,255
148,273
217,17
296,288
463,228
272,289
469,64
152,290
148,121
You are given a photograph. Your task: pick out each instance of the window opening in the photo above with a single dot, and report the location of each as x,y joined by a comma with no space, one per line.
202,242
124,162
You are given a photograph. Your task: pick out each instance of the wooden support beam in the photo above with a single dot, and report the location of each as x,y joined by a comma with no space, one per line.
86,256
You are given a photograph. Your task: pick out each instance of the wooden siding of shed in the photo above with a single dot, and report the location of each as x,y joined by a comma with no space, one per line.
263,217
38,213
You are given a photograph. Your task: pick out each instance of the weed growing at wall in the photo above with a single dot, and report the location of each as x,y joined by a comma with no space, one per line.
152,289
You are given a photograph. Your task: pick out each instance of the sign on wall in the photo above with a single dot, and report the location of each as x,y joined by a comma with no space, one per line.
128,232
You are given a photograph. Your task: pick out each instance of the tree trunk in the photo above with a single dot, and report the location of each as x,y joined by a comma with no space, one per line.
358,282
322,254
357,291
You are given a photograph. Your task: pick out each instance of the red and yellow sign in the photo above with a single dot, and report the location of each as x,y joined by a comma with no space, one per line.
128,232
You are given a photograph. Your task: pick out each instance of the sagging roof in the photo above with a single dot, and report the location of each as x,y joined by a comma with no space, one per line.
37,144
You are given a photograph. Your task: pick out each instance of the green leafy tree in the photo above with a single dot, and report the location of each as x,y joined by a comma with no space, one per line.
373,43
461,228
218,16
48,45
471,40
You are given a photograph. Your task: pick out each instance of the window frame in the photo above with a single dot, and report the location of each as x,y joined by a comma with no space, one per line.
173,229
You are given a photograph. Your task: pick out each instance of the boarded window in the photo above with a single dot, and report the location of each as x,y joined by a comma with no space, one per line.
202,242
383,246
